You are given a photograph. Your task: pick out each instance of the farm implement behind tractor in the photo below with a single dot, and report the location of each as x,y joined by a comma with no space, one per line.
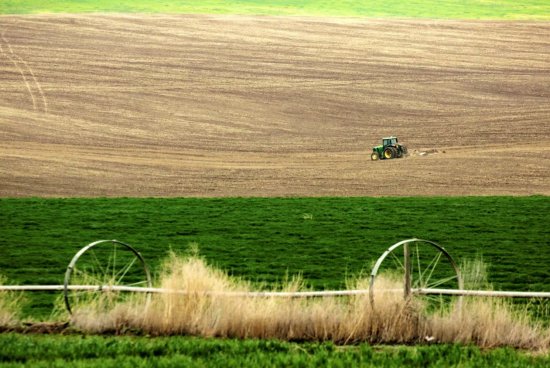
390,148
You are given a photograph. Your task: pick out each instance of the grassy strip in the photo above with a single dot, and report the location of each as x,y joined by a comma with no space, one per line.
121,351
446,9
324,239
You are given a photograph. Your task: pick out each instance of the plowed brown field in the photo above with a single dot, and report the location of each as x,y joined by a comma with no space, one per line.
134,105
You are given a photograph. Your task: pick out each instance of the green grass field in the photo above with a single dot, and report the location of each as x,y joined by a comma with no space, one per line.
444,9
126,351
325,239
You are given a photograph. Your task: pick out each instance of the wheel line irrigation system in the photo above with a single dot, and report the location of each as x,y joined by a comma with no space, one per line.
112,277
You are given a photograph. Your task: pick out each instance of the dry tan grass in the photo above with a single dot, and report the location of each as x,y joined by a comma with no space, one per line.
9,307
489,323
485,322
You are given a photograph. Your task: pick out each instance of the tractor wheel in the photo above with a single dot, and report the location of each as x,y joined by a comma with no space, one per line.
389,152
395,152
399,153
374,156
405,151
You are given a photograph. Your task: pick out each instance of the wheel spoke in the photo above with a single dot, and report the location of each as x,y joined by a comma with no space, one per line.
397,261
114,261
419,269
434,261
92,251
433,298
442,281
86,276
126,269
108,276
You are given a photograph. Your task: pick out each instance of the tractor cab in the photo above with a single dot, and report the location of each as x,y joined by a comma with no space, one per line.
389,149
389,141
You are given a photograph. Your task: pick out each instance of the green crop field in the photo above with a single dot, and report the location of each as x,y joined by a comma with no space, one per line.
445,9
126,351
263,239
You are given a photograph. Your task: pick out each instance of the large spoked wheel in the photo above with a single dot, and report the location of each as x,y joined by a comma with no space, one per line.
389,153
417,265
99,266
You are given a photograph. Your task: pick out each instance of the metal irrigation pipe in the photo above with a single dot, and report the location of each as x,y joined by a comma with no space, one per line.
287,294
489,293
137,289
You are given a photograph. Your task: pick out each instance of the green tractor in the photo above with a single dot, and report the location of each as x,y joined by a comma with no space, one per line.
390,148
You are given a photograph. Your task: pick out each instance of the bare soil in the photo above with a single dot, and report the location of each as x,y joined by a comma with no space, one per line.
135,105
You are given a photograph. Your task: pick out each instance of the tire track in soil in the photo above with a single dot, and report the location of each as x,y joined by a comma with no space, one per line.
36,83
17,61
